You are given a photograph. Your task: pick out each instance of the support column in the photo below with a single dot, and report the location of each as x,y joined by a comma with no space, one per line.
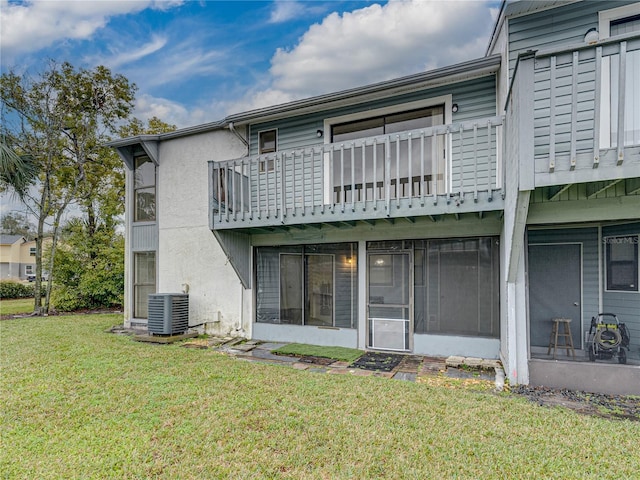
362,294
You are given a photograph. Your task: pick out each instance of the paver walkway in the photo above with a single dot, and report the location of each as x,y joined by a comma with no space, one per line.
410,368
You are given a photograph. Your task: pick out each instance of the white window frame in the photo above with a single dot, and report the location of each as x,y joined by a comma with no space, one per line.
268,164
29,269
607,240
605,17
32,251
446,100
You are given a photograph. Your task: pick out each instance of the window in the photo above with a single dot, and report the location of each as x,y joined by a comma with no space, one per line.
29,270
619,21
144,189
622,263
307,285
348,166
144,282
267,143
32,251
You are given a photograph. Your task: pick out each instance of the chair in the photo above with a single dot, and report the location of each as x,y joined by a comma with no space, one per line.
563,336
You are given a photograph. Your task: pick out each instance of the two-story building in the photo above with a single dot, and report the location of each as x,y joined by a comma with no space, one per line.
17,258
452,212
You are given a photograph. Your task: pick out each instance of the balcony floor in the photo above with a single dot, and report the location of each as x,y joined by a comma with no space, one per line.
349,214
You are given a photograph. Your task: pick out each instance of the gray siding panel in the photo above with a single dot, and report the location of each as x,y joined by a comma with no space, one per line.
556,27
475,98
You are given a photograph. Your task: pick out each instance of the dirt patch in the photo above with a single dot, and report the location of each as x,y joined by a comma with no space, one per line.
617,407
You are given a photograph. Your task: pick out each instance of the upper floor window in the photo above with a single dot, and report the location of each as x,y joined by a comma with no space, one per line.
267,143
32,251
144,189
622,263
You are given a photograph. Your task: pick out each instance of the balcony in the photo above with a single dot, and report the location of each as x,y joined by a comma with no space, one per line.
442,170
583,117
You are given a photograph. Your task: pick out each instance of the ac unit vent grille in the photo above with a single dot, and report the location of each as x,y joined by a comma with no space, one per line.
168,313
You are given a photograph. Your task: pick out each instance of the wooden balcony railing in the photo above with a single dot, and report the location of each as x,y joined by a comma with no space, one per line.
412,173
584,115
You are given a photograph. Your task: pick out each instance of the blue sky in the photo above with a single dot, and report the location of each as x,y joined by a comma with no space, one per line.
198,61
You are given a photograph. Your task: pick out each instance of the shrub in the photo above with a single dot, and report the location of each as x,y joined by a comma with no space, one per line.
11,289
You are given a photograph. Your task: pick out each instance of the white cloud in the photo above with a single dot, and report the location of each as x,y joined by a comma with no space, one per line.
33,25
168,111
285,10
124,58
376,43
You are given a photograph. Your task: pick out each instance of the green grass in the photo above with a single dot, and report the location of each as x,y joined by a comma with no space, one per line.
336,353
77,402
16,307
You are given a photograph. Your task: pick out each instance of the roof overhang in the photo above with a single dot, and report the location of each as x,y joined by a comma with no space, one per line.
442,76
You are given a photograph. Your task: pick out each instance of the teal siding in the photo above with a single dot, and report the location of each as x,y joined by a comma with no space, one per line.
556,27
588,237
475,98
624,304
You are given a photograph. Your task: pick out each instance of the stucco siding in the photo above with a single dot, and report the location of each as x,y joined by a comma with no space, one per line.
188,252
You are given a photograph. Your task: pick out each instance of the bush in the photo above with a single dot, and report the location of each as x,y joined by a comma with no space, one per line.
11,289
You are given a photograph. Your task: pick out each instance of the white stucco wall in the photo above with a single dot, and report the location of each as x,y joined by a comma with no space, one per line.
188,252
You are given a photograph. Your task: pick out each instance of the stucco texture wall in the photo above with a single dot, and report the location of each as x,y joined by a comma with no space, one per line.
188,252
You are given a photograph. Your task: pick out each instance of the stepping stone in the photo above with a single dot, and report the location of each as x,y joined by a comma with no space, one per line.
406,376
454,361
473,362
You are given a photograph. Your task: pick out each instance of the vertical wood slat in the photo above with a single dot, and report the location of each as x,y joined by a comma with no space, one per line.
397,171
375,173
363,192
552,114
303,186
574,109
258,189
475,162
342,192
353,177
266,182
490,159
622,78
387,173
283,159
422,180
293,182
409,159
461,162
227,196
596,108
219,182
331,175
435,164
242,206
313,181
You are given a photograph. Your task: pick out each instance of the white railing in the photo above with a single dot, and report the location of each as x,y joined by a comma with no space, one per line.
587,105
406,169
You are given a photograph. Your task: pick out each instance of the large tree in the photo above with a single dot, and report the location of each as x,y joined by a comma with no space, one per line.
61,119
89,267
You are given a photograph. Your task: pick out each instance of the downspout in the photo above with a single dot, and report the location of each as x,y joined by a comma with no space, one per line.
237,134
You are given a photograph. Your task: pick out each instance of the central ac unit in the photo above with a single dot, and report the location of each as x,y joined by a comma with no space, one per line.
168,313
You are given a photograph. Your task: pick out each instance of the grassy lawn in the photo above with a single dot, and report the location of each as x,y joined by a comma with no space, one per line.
17,306
77,402
336,353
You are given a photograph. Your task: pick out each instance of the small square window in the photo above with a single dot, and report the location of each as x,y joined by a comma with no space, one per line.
622,263
267,141
32,251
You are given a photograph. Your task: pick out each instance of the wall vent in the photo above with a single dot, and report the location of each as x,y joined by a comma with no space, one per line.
168,313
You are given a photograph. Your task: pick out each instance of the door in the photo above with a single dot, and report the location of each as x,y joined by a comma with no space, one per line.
554,290
390,302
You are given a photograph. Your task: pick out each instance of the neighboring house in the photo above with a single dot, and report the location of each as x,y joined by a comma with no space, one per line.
451,212
17,257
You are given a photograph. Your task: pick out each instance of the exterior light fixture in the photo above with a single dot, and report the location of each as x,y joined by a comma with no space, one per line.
591,36
319,133
454,108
